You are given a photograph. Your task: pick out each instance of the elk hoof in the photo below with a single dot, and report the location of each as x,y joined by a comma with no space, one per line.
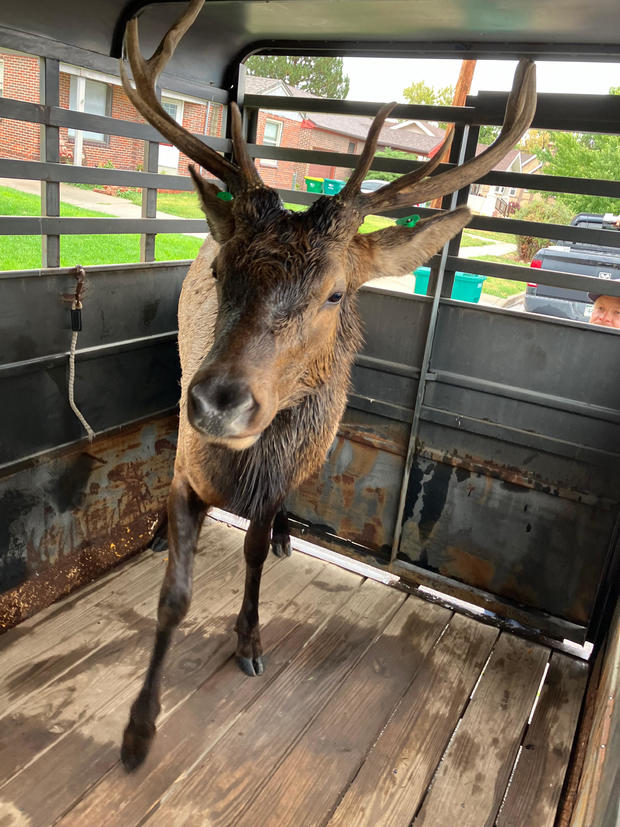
137,740
281,545
252,667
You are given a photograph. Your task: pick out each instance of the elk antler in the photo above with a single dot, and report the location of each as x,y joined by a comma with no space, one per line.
240,176
403,191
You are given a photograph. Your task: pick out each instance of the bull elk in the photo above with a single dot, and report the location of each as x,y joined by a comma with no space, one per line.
268,330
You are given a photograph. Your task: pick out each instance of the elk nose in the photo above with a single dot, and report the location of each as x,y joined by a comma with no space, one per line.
220,405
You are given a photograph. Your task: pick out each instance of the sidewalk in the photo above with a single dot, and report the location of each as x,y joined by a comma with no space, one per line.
90,200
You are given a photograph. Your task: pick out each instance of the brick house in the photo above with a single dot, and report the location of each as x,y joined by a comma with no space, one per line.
100,94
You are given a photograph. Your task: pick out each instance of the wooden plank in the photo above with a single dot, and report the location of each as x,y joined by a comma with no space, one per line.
59,776
469,785
52,711
46,644
392,781
598,797
200,722
229,776
335,745
32,661
536,785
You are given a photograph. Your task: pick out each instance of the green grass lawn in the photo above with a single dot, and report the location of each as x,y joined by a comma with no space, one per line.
503,288
23,252
469,240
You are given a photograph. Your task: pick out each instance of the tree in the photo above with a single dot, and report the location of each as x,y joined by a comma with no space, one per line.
583,155
323,76
421,92
488,134
548,210
536,140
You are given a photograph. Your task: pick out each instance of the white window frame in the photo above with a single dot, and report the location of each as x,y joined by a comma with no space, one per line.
271,162
79,84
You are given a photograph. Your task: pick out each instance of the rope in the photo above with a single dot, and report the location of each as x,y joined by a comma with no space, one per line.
76,323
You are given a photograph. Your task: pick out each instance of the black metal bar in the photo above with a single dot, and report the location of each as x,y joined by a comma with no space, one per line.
508,433
49,85
55,115
462,114
457,155
97,269
24,225
559,403
28,365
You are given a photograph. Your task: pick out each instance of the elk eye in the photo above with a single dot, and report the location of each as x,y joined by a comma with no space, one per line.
334,298
214,271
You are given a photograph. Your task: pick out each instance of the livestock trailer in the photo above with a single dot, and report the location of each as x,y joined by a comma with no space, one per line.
445,645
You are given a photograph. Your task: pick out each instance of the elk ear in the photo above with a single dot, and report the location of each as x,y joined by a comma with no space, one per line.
398,250
217,210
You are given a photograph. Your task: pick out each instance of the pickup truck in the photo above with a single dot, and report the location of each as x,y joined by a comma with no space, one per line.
574,257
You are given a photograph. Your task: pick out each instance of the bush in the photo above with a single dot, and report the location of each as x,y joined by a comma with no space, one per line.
547,211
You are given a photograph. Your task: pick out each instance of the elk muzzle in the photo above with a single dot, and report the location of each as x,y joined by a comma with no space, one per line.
224,408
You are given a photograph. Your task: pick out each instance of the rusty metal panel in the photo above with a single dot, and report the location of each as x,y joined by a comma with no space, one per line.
69,517
349,497
506,538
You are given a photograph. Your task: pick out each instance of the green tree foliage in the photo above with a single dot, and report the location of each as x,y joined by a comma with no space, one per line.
323,76
421,92
583,155
535,140
488,134
547,210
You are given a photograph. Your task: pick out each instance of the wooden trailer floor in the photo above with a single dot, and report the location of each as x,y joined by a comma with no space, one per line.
365,714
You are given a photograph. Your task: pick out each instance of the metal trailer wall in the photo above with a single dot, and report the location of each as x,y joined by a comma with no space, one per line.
479,453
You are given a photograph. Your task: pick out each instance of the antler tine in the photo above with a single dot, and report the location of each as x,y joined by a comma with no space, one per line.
144,98
520,110
351,188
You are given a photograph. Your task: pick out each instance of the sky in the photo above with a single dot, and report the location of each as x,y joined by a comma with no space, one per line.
380,79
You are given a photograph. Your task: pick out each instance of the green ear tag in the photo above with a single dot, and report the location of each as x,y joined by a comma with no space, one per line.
225,196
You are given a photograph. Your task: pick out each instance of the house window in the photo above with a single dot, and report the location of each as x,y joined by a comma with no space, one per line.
96,102
271,137
1,78
351,149
475,189
511,191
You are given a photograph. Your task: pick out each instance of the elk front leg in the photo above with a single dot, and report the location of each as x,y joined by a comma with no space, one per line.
255,549
281,536
185,515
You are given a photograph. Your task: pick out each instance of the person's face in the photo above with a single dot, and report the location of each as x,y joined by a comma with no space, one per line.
606,312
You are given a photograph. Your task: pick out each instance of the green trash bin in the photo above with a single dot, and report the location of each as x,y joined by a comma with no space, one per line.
466,288
332,186
314,184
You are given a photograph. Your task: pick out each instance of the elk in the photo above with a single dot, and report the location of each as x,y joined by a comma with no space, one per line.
268,330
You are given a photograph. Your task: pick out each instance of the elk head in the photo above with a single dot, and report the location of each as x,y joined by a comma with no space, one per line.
286,281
